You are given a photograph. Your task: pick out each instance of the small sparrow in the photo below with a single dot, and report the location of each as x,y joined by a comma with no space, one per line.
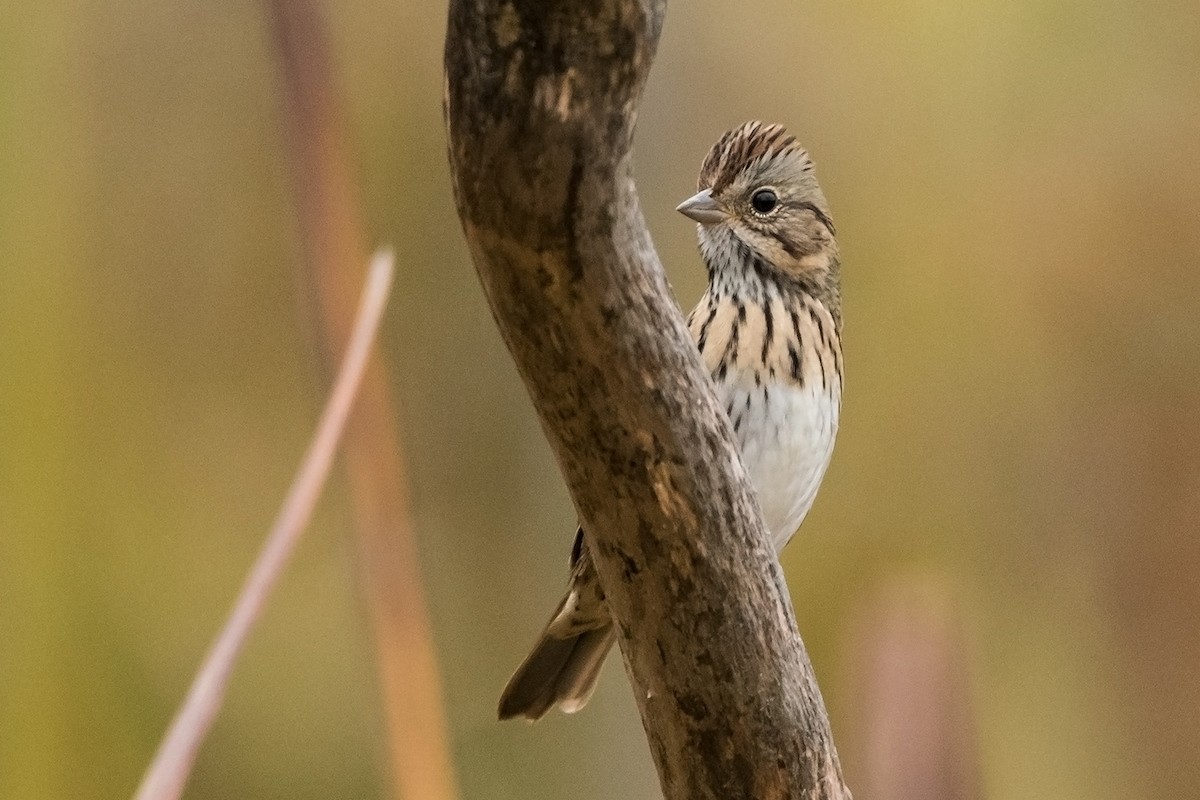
769,330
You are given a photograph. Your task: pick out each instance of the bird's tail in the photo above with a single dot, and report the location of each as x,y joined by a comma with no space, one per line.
561,671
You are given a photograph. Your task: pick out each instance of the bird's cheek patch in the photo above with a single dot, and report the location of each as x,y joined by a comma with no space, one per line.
820,261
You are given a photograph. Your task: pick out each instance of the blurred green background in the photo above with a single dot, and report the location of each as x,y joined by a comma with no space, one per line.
1017,192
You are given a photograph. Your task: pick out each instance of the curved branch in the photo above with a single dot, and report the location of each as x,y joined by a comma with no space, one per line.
541,101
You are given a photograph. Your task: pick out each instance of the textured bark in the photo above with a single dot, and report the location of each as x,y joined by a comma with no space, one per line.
541,101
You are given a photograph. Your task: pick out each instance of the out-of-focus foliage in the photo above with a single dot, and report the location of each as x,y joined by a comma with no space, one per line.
1015,186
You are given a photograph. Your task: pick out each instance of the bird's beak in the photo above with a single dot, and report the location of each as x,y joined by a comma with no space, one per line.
702,208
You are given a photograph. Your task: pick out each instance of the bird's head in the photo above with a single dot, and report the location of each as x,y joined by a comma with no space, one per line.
758,192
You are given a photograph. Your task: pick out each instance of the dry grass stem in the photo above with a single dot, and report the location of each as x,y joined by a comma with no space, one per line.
333,239
168,773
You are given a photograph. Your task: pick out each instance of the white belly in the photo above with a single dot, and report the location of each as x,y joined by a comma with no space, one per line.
787,436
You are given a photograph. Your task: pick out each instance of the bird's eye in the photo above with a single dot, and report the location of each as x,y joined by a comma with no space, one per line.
764,201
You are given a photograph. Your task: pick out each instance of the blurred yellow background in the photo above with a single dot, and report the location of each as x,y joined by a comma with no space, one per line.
1017,192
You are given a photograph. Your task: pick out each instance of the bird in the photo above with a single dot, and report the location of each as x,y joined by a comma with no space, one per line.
768,328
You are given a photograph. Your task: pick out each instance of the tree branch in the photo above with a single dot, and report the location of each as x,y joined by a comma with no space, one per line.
540,104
